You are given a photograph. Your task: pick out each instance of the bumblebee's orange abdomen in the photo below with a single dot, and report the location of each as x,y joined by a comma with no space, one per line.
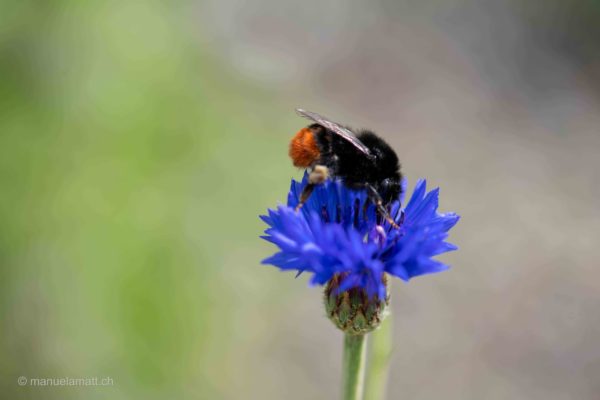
304,149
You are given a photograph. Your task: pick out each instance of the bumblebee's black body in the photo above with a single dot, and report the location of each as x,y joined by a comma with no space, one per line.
381,170
362,160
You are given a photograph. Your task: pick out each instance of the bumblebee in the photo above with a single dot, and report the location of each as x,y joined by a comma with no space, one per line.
362,160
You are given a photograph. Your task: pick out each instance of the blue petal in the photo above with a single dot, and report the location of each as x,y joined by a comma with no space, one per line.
330,235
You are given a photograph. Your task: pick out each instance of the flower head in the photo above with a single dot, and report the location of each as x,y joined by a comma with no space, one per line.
338,233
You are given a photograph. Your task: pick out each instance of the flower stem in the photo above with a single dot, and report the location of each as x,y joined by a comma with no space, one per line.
355,351
380,354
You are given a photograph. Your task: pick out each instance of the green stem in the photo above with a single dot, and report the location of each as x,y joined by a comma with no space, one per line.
380,354
355,351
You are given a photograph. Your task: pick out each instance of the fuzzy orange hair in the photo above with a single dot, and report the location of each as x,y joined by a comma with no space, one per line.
304,150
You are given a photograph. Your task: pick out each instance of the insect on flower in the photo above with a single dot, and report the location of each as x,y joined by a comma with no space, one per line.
345,223
362,161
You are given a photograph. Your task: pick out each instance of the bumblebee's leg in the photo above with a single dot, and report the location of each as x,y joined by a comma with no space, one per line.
305,195
376,199
317,176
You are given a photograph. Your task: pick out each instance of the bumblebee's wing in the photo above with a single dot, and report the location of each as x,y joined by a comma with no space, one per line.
332,126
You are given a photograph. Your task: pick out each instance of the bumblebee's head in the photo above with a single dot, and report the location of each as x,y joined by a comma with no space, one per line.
304,148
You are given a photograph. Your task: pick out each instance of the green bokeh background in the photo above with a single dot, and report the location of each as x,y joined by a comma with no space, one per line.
133,171
137,151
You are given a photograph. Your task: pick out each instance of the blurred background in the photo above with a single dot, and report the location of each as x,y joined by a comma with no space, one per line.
139,142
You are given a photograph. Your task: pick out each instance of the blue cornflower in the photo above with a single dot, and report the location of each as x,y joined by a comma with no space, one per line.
337,235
